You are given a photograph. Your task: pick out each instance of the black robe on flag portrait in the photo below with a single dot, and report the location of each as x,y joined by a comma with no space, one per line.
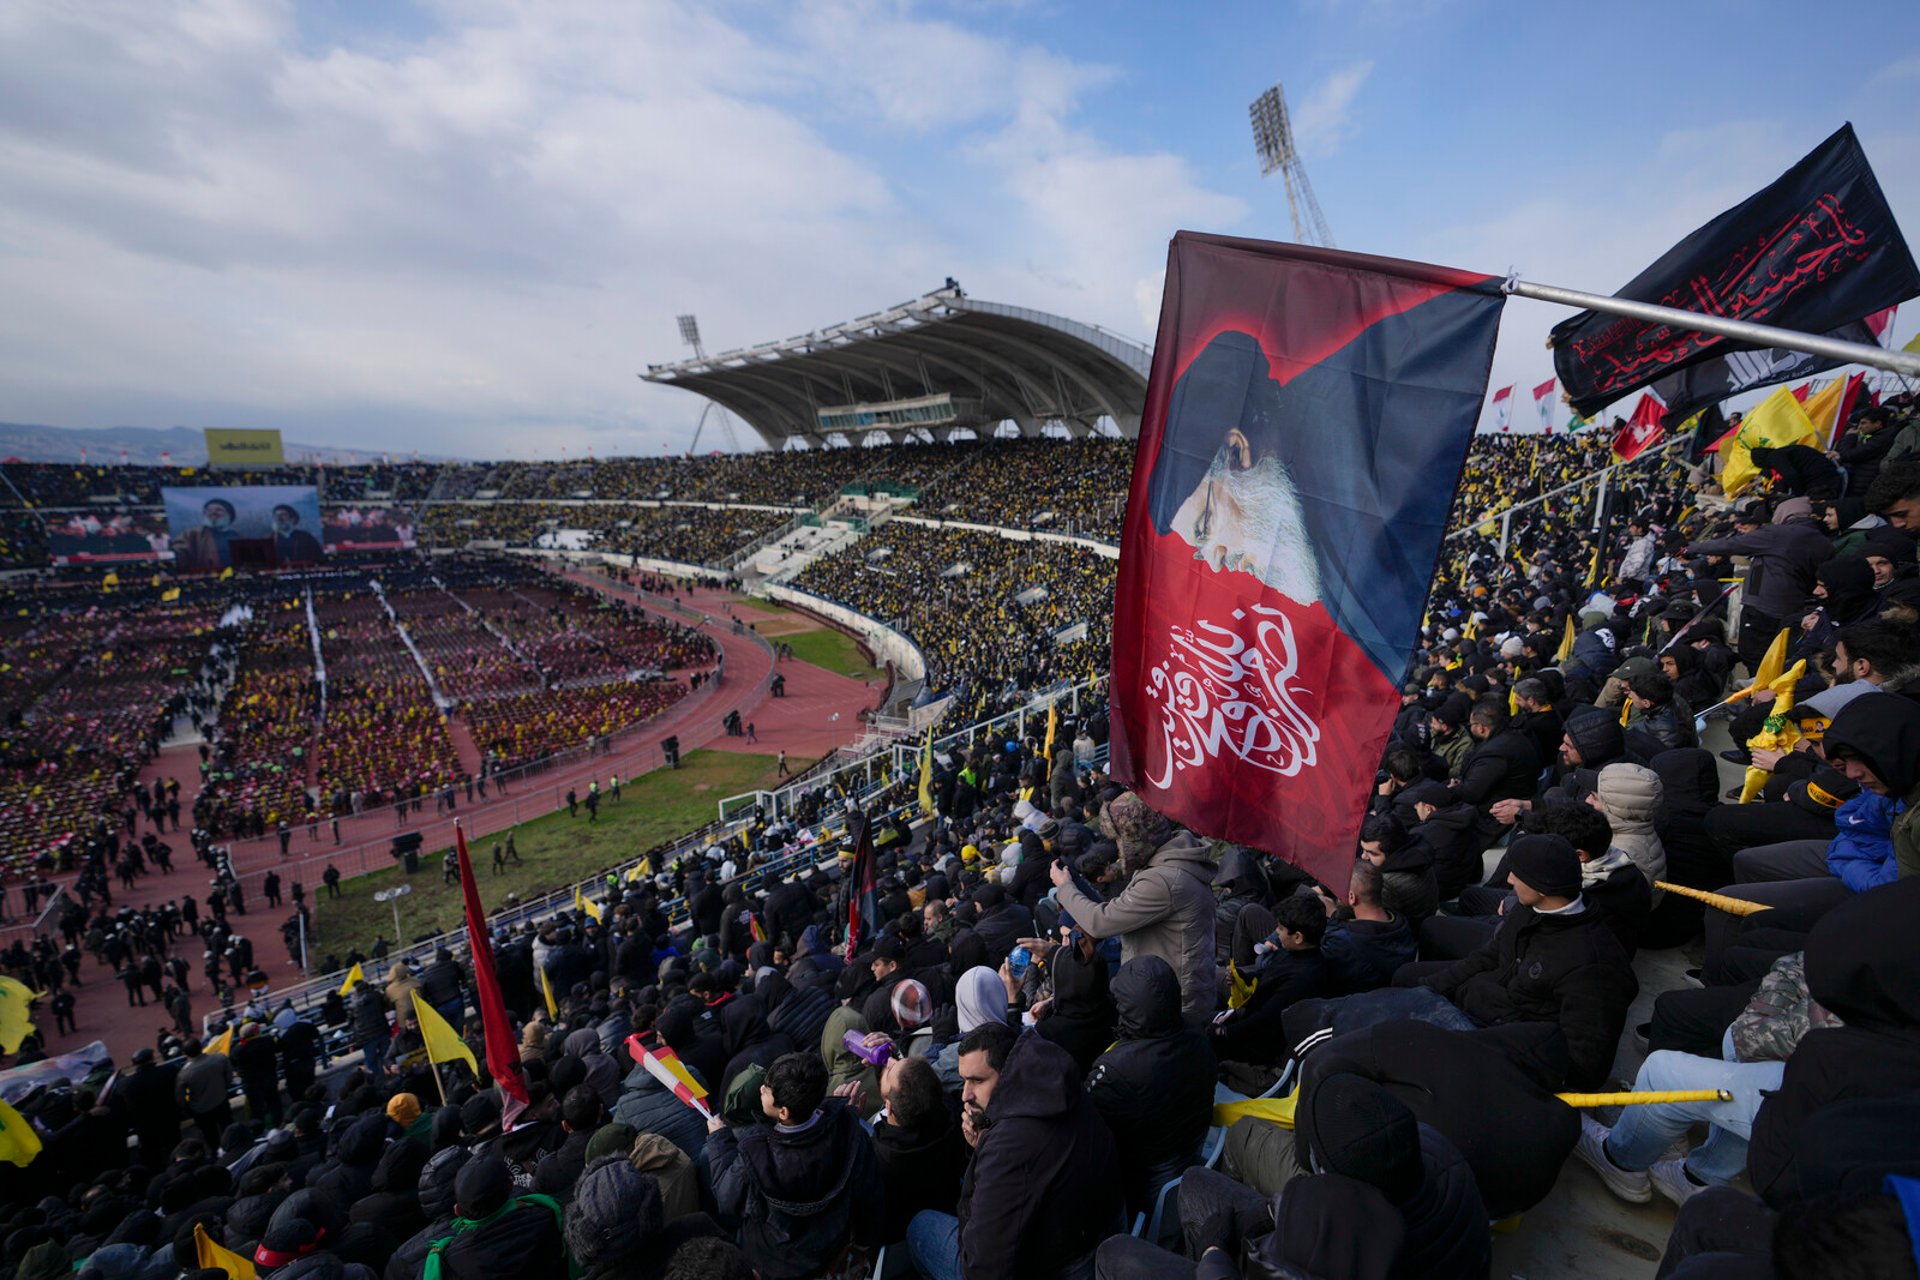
1814,251
1306,420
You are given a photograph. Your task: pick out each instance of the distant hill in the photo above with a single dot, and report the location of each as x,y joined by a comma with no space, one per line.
144,445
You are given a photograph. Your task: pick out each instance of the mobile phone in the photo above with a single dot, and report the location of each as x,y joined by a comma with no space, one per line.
1018,960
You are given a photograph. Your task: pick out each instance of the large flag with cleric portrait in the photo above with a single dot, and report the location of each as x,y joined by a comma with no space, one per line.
1306,420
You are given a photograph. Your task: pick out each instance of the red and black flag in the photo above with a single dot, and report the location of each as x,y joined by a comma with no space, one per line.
863,894
1306,420
503,1050
1815,250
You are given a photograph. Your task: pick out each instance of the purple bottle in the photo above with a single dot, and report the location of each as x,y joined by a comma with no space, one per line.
873,1056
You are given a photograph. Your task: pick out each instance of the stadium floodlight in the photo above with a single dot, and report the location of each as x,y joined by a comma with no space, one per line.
690,331
1273,141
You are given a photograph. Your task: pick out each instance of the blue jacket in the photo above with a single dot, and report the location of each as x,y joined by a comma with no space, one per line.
1862,850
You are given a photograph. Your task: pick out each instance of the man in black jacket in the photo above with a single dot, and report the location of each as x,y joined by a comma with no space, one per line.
1043,1188
1504,766
1781,560
441,986
922,1155
1551,960
803,1186
1154,1087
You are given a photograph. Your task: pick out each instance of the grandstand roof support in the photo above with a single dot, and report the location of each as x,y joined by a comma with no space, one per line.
1008,363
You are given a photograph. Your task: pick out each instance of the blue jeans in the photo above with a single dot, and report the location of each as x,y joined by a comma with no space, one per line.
933,1243
376,1051
1645,1132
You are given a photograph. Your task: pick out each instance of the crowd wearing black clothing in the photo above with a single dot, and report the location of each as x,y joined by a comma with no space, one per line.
1022,1043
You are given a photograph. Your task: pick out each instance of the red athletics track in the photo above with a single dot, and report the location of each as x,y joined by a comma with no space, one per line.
802,724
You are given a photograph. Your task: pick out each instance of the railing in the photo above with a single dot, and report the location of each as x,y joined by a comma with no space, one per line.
1598,478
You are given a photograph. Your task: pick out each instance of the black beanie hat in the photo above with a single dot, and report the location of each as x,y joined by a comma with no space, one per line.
306,1222
482,1186
1356,1128
616,1212
1548,865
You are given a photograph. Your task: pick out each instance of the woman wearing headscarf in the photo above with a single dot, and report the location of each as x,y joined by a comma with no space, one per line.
979,997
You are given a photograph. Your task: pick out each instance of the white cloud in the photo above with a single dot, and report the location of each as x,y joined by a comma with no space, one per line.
474,238
1323,120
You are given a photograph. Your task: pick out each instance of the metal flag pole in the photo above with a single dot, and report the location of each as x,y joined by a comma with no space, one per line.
1904,363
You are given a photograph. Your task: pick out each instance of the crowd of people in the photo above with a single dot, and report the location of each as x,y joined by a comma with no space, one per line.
989,1040
995,619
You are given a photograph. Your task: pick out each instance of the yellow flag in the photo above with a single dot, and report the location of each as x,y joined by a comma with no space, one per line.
1565,651
1913,344
443,1042
1773,662
208,1254
224,1044
226,573
583,903
16,1014
926,774
353,975
1823,410
1053,726
171,593
1776,421
546,989
1240,989
1273,1110
19,1144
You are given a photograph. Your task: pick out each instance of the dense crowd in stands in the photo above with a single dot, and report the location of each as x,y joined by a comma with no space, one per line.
989,1042
981,641
691,535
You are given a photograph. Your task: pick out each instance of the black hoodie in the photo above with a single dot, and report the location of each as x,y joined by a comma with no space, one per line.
922,1165
799,1194
1862,965
1154,1088
1044,1187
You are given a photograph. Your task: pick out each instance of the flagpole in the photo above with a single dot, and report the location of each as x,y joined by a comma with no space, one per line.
438,1083
1759,335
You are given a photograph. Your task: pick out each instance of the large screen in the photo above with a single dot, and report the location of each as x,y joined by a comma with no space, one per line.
364,528
243,526
107,537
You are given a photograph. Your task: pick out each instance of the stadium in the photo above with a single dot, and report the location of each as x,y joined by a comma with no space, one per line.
1057,807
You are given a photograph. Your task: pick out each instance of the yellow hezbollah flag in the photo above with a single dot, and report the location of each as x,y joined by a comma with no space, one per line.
1775,422
19,1144
926,774
443,1042
217,1257
583,903
224,1044
170,594
16,1014
1773,661
1053,726
1823,410
353,975
1273,1110
546,989
226,573
1565,651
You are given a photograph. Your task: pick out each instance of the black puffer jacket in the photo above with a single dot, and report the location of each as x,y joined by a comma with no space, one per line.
1491,1092
1862,965
798,1013
436,1201
1043,1188
799,1195
1081,1017
369,1015
921,1165
1155,1087
1566,969
1504,767
522,1242
648,1106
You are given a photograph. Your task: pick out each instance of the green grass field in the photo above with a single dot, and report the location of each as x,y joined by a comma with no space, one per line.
761,606
555,851
831,651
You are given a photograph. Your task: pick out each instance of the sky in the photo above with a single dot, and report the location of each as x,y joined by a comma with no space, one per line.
465,226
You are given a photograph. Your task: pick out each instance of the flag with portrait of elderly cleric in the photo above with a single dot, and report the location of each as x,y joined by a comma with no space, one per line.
1307,417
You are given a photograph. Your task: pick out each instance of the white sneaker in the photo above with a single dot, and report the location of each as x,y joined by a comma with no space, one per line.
1631,1185
1669,1178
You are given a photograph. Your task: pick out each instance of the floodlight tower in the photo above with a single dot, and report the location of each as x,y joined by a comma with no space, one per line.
1273,139
690,334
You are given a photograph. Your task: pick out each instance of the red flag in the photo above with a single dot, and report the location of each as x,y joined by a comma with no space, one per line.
1642,430
1306,421
1848,399
503,1052
863,897
1503,408
1801,392
1543,404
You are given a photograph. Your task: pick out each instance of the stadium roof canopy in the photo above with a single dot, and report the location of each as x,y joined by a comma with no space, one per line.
937,364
